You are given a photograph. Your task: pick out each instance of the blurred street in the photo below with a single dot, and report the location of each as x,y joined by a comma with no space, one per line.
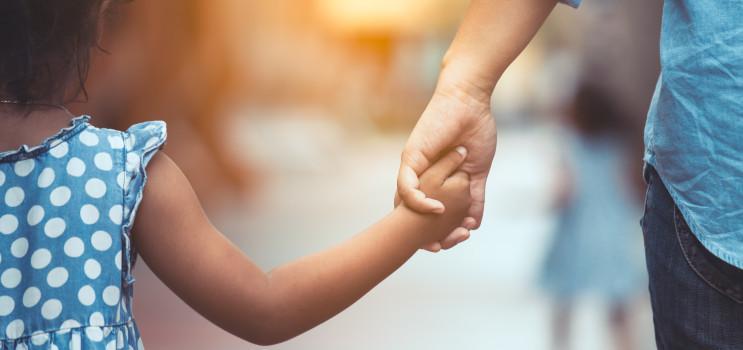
289,116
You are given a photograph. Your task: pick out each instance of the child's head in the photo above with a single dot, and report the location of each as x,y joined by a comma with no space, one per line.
594,112
46,48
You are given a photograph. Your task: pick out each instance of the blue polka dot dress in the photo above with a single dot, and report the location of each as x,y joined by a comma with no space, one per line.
66,212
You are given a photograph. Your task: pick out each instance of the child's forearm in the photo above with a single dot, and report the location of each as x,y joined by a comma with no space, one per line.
313,289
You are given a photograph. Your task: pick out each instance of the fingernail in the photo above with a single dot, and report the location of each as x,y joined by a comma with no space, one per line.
461,150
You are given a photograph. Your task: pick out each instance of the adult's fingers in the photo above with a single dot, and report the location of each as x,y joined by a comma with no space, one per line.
414,198
448,164
477,193
459,235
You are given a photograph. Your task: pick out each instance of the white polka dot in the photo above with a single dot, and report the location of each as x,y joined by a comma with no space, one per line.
96,319
75,342
117,142
88,138
75,167
132,161
39,338
15,329
117,260
35,215
41,258
21,346
54,227
89,214
103,161
2,178
74,247
86,295
116,214
121,180
14,197
19,248
120,339
31,296
140,346
101,240
111,345
7,304
111,295
95,188
8,224
57,277
11,277
66,325
24,167
94,333
51,309
46,178
92,269
60,196
59,150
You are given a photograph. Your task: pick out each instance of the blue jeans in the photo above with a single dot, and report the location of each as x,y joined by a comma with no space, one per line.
697,299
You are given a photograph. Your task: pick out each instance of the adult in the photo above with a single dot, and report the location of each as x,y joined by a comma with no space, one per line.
693,222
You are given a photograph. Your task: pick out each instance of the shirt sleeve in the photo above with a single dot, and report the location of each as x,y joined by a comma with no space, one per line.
140,142
571,3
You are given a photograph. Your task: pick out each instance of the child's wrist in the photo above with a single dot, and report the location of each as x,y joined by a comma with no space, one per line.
415,225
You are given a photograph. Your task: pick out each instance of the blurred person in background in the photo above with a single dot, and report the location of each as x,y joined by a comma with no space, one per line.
596,248
693,221
173,60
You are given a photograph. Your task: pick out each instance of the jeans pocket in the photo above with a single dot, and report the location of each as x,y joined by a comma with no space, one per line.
647,174
723,277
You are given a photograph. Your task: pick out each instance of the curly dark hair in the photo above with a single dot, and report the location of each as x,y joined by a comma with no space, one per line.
46,48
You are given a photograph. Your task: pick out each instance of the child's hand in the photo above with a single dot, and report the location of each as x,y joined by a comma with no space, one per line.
445,183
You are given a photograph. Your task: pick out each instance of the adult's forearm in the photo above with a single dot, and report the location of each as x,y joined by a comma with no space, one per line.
491,36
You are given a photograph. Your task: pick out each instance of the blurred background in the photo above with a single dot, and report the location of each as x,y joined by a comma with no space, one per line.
289,117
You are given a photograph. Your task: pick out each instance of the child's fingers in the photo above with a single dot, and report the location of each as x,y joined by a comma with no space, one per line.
414,198
448,164
460,175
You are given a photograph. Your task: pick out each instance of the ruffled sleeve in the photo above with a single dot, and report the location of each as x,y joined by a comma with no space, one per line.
141,142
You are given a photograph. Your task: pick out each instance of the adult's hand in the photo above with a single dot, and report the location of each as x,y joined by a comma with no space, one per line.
490,37
456,116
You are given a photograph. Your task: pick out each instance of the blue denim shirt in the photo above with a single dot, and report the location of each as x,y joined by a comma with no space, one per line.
694,131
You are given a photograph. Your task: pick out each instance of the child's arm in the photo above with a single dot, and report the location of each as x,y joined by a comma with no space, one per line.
212,275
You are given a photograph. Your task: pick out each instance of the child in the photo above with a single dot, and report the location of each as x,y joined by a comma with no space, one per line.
75,213
597,246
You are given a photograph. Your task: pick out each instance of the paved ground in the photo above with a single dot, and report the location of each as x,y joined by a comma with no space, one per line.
479,296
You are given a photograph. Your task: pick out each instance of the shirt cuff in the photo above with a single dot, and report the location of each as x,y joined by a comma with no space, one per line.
571,3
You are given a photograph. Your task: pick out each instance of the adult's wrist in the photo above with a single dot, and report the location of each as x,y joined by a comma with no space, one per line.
463,80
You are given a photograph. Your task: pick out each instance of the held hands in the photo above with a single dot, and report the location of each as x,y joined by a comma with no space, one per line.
450,186
455,116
